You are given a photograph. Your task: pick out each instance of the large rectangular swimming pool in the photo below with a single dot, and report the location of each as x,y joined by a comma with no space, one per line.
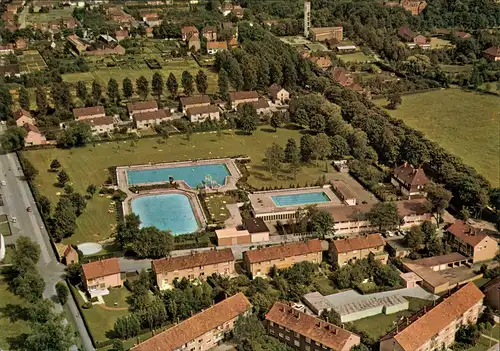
213,174
300,199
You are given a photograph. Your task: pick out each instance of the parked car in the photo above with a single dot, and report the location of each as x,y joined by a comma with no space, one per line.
13,219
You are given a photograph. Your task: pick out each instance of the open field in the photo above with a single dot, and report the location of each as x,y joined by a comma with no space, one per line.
357,56
52,15
465,123
31,61
437,43
456,68
89,165
9,328
216,205
317,47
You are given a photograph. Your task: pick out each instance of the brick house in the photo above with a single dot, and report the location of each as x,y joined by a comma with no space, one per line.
413,38
203,331
187,102
410,181
33,136
324,33
351,249
23,117
344,78
100,125
471,242
259,261
437,327
209,33
278,94
69,255
141,107
304,332
492,54
214,47
198,265
203,113
144,120
98,276
189,32
242,97
89,112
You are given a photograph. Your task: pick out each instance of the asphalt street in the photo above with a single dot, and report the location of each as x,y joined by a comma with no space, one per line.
17,198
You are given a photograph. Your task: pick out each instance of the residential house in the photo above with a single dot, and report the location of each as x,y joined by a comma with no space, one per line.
410,181
214,47
33,136
116,14
209,33
344,78
226,8
121,34
197,265
89,112
342,251
77,44
324,33
233,43
492,294
21,44
151,19
278,94
413,38
323,62
187,102
436,328
257,229
23,117
69,255
492,54
144,120
98,276
471,242
258,262
188,32
203,113
242,97
305,332
100,125
261,107
238,11
203,331
461,35
141,107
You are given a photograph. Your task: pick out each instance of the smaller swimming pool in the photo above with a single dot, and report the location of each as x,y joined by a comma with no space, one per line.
300,199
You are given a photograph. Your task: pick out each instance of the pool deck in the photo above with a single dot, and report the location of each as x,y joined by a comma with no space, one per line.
262,201
230,181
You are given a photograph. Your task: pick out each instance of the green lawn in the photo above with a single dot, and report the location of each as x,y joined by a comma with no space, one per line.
483,344
481,281
464,123
456,68
5,226
117,296
323,285
216,204
9,328
357,56
88,165
437,43
54,14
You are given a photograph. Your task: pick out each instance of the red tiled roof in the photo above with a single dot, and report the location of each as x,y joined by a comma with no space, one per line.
274,89
143,105
202,109
189,29
407,32
243,95
21,113
203,258
146,116
195,100
190,329
101,268
88,111
358,243
217,45
438,318
466,233
493,51
284,250
121,33
311,327
31,128
410,176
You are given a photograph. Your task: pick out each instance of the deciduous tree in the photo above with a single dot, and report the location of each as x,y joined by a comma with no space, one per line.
274,156
384,215
128,88
340,147
201,82
24,98
172,85
247,121
55,165
41,100
187,83
153,243
322,148
13,138
306,148
157,85
438,199
142,87
62,292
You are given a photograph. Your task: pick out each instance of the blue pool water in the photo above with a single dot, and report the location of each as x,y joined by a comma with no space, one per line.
192,175
300,199
166,211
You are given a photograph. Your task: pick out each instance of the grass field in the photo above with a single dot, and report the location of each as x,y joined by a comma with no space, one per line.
9,328
357,56
437,43
89,165
216,205
53,14
465,123
456,68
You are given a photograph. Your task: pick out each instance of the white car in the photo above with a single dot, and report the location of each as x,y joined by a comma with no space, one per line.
4,183
13,219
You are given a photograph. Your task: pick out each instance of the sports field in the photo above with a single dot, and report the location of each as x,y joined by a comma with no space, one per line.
465,123
89,165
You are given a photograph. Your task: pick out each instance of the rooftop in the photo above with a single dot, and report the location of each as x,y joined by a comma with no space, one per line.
243,95
230,233
410,176
358,243
196,259
202,109
146,116
324,30
101,268
283,250
21,113
101,121
195,100
216,45
88,111
255,225
344,190
142,105
467,233
439,260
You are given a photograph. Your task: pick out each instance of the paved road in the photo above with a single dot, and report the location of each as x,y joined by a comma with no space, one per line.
17,197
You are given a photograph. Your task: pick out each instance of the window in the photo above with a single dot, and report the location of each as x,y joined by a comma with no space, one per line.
280,335
272,331
308,348
287,338
271,323
296,343
280,326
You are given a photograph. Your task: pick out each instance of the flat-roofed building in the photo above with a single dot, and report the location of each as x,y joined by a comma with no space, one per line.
351,249
198,265
324,33
436,328
232,236
89,112
187,102
305,332
258,262
202,331
141,107
344,192
257,229
203,113
472,242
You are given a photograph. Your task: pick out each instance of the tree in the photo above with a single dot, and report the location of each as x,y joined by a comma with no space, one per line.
340,147
187,83
128,88
78,202
157,85
438,199
76,133
62,178
142,87
62,292
81,90
276,120
52,335
415,238
73,273
274,156
317,123
61,96
29,285
64,220
201,82
91,189
172,85
55,165
113,90
291,150
322,148
153,243
41,100
394,99
24,98
118,345
6,103
128,230
248,118
127,326
223,84
96,91
414,151
301,117
468,335
44,206
13,138
306,147
384,215
331,316
25,247
322,223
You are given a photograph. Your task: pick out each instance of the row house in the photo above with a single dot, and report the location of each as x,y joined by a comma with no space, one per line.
100,125
98,276
410,181
144,120
197,265
471,242
304,332
209,33
436,329
242,97
203,113
342,251
259,262
203,331
89,112
141,107
187,102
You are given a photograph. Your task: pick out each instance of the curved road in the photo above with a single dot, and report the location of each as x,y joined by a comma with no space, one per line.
17,197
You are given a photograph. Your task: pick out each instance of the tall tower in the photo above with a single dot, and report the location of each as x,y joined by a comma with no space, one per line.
307,17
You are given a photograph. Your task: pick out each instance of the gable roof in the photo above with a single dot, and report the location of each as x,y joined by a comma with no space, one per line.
146,116
284,250
209,28
88,111
325,333
142,105
358,243
190,329
216,45
410,176
438,318
194,100
467,233
31,128
189,29
492,286
260,104
196,259
341,75
21,113
407,32
275,89
202,109
101,268
493,51
243,95
100,121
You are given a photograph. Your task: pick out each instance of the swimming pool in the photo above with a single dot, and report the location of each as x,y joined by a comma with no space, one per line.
166,211
192,175
300,199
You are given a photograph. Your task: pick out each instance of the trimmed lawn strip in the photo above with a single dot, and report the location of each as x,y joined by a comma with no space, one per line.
216,205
